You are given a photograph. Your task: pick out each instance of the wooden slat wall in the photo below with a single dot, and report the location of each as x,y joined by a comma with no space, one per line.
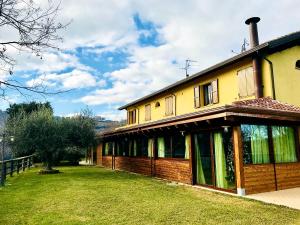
107,161
288,175
259,178
133,164
175,170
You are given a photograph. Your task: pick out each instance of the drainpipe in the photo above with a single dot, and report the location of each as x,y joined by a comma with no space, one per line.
272,77
256,61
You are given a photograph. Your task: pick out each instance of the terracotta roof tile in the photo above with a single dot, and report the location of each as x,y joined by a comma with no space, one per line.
267,103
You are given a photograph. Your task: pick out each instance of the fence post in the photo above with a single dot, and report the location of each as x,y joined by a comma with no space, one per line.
4,172
11,167
18,167
28,162
23,164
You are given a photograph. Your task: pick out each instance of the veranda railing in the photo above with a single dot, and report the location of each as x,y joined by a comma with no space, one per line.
16,165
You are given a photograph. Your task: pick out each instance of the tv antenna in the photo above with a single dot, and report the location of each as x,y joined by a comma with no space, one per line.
187,66
243,48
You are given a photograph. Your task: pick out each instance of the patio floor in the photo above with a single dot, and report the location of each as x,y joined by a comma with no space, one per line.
288,197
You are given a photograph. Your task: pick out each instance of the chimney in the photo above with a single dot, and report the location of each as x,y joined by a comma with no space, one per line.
252,22
256,60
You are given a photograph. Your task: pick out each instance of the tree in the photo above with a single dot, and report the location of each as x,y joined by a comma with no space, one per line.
40,133
36,29
51,138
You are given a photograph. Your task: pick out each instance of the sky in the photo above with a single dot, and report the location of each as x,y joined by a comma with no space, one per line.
117,51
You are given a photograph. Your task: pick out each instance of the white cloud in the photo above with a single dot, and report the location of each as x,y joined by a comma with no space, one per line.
205,31
74,79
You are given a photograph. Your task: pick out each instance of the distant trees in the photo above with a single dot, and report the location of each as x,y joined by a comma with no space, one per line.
51,138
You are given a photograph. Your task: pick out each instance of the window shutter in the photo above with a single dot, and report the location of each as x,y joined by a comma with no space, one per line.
242,83
250,81
215,94
197,96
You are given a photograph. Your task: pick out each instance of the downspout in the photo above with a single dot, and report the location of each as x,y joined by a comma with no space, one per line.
272,77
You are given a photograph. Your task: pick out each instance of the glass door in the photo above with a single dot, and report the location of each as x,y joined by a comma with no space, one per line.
203,159
214,159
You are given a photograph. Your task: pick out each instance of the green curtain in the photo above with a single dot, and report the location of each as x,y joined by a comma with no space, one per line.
187,146
161,147
200,178
220,161
150,147
259,144
130,147
134,148
284,144
106,148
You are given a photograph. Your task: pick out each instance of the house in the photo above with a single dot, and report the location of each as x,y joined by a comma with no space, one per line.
234,126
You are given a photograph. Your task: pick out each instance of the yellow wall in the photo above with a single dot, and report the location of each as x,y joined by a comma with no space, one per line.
287,86
287,78
184,95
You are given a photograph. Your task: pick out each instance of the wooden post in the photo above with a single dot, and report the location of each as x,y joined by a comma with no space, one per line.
23,164
238,157
11,167
18,166
99,153
188,139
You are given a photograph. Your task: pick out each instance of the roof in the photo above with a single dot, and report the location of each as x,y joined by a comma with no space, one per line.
265,108
267,103
273,45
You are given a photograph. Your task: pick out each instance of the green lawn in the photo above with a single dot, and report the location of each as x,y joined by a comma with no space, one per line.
90,195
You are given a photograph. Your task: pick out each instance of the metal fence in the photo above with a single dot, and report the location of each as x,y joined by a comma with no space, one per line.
11,166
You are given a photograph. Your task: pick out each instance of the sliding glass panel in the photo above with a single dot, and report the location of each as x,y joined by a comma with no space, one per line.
178,145
160,147
168,146
255,144
142,146
187,146
224,160
284,144
203,158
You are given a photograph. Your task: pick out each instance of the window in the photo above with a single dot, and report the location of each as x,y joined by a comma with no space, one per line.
298,64
108,148
210,93
172,146
255,144
169,106
147,112
132,116
197,97
207,89
157,104
142,146
284,144
246,82
256,139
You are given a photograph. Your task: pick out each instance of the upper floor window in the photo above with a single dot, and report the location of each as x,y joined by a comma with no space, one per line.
197,96
246,82
210,93
147,112
169,106
131,117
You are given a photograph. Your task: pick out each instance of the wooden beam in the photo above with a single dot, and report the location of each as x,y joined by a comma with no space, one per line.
238,159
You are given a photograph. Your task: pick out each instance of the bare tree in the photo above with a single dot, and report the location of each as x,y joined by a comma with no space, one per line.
34,30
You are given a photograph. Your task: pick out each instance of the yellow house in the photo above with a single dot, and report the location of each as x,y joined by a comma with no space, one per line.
233,126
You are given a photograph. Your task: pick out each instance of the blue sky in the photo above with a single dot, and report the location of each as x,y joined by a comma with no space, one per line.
114,52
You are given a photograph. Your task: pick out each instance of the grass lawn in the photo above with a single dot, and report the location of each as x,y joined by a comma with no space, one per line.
90,195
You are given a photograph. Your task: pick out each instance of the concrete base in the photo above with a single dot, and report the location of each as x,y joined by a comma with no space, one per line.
288,197
241,191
